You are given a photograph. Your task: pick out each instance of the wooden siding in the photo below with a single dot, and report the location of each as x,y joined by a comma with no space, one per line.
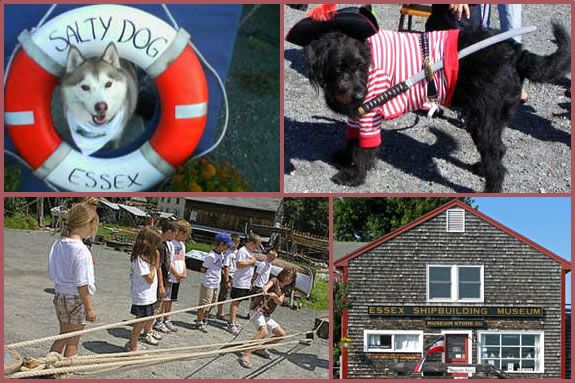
226,217
515,274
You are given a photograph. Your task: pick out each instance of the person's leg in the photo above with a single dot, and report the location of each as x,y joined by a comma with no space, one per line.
213,299
136,331
58,346
148,327
72,343
233,311
510,18
222,296
485,15
261,333
201,302
277,332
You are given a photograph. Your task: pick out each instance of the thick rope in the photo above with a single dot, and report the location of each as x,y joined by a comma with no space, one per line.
118,324
59,361
71,369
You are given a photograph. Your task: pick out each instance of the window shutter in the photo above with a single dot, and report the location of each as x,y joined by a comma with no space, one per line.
455,221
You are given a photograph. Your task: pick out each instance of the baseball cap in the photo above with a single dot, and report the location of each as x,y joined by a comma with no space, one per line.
225,238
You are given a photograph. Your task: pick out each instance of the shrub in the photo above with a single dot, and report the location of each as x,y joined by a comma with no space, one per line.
202,175
20,221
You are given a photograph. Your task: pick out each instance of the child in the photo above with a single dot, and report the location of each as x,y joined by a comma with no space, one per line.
212,269
178,271
71,268
166,250
264,306
242,283
262,273
228,270
144,284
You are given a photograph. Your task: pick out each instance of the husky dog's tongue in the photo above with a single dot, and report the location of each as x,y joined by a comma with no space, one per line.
90,138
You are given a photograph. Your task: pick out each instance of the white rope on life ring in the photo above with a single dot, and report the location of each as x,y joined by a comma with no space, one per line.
141,38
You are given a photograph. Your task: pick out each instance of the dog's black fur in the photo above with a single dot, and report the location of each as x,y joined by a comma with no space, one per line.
488,91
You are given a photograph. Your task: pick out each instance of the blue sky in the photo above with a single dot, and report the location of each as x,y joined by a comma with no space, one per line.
544,220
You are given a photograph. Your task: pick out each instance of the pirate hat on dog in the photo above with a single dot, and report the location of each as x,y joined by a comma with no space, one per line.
356,22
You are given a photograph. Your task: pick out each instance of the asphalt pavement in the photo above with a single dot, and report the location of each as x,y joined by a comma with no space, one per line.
29,314
431,156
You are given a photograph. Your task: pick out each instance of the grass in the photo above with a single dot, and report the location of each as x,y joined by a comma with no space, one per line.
20,221
198,246
318,299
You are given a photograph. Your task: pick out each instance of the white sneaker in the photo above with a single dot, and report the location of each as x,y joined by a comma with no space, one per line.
156,335
170,326
161,327
149,339
233,329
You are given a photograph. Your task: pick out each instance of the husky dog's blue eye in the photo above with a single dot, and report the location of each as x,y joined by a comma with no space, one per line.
85,87
108,84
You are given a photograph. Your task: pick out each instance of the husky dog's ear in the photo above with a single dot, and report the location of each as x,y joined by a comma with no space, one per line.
111,55
75,59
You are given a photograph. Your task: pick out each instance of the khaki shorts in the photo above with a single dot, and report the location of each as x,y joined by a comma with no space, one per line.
208,296
70,309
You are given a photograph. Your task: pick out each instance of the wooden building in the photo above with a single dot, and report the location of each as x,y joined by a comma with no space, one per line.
493,296
209,215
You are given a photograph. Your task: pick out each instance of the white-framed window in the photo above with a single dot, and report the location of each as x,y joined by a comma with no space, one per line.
454,283
193,216
517,351
392,341
455,220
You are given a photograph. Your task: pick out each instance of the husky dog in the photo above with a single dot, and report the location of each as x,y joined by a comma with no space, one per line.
99,96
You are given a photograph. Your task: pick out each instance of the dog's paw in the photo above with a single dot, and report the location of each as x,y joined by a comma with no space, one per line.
347,177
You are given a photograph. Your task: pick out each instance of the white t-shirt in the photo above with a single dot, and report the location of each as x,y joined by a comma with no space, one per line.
143,293
243,276
263,271
230,261
179,259
70,266
213,263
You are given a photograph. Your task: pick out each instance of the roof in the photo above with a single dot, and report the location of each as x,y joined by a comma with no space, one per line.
134,210
341,249
111,205
263,204
164,215
343,262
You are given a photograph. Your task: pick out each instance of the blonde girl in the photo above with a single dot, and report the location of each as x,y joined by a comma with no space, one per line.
144,285
71,268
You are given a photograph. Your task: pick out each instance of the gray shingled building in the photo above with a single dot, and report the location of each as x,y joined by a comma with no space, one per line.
490,295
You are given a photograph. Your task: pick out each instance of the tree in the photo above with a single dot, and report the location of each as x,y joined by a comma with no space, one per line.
309,215
365,219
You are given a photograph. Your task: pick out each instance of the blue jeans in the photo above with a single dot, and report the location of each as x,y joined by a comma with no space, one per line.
509,17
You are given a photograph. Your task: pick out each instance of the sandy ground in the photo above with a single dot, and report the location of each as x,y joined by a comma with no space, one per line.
431,156
29,314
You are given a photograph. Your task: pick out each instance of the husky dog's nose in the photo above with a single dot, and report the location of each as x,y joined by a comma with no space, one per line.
101,107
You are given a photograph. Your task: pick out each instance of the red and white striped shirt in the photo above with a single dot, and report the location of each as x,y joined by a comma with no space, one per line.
396,57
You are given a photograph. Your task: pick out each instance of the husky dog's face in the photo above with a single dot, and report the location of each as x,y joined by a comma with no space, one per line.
94,89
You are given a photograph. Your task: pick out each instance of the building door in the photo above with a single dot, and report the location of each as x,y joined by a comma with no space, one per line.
456,347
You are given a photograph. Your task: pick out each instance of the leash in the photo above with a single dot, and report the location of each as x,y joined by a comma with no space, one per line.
404,86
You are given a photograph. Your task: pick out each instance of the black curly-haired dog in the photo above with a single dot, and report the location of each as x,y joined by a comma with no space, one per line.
487,92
